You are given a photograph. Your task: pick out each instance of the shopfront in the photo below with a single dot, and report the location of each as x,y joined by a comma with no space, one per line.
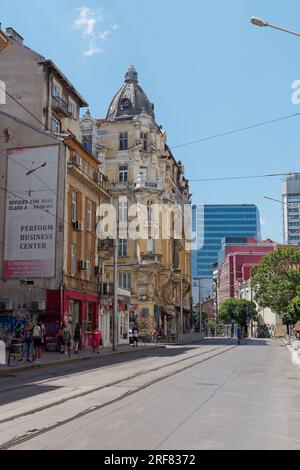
72,307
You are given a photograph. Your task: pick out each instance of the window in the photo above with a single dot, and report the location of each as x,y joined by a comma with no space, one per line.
150,210
150,245
89,318
88,266
88,142
89,215
123,141
74,206
71,107
144,141
123,173
123,247
73,260
55,125
123,210
124,281
56,90
145,312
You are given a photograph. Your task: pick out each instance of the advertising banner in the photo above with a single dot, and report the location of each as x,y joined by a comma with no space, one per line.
30,222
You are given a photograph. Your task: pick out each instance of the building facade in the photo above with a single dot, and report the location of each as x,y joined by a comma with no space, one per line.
237,257
213,222
52,187
291,210
142,171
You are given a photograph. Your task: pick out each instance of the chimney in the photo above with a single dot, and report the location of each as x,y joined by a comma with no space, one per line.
14,35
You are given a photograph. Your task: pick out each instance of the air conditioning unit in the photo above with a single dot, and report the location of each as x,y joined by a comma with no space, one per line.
98,270
76,160
7,306
82,265
98,176
78,225
38,305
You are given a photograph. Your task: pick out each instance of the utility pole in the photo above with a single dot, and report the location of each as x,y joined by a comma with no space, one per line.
181,301
200,309
115,312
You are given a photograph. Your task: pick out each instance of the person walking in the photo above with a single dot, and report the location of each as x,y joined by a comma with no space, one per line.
238,334
96,339
60,338
37,342
28,342
77,337
135,334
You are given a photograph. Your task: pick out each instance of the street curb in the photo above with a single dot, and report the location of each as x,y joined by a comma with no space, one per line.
9,371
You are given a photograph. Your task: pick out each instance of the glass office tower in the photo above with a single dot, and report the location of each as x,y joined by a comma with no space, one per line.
212,223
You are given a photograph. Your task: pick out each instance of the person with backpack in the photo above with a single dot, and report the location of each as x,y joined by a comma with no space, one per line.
37,342
77,337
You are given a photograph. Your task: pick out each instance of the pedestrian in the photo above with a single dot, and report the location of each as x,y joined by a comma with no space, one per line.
77,337
67,339
61,338
135,334
27,349
238,334
37,342
96,339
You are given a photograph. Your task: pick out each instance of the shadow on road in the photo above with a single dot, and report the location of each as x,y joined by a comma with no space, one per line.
25,384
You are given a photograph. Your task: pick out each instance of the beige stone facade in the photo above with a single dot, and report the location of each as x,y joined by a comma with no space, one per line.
141,169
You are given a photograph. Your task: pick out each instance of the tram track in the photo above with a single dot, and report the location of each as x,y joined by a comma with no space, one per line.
31,434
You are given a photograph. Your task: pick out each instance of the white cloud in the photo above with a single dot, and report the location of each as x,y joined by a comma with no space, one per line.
93,49
104,35
87,23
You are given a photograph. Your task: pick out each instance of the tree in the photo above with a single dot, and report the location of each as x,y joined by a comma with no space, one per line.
276,278
293,311
237,311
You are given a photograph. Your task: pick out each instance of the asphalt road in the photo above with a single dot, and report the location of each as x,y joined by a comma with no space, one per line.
215,396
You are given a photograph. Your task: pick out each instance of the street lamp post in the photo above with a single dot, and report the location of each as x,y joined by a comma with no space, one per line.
181,302
200,308
115,312
263,23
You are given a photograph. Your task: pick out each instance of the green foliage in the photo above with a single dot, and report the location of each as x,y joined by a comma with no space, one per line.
276,278
237,310
293,311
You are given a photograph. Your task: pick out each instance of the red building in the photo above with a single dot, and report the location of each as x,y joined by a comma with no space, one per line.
236,259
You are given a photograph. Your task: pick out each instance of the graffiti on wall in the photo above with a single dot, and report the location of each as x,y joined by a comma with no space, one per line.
8,325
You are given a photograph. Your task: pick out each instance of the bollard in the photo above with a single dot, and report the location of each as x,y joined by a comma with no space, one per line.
2,353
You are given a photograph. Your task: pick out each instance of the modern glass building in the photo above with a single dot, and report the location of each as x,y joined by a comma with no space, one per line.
213,222
291,209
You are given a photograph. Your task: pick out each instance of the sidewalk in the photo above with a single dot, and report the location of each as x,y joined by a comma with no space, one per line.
55,358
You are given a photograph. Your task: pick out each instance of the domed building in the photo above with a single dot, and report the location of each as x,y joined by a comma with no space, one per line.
142,172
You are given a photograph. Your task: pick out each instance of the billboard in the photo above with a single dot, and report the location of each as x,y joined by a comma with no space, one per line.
30,220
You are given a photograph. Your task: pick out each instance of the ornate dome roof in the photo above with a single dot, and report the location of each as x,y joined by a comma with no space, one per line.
130,100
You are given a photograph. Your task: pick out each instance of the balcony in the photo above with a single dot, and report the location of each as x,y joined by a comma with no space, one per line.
142,183
106,288
105,245
60,106
150,258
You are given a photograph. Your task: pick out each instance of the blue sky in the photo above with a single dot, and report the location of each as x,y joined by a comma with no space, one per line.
205,67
